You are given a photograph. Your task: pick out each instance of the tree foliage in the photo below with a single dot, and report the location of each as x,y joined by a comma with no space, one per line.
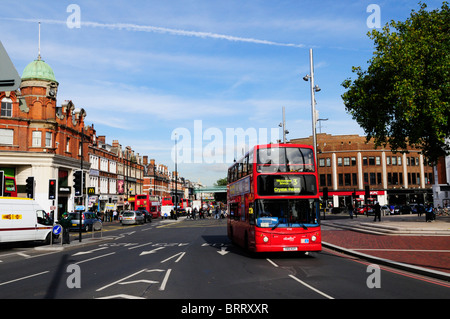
221,182
402,99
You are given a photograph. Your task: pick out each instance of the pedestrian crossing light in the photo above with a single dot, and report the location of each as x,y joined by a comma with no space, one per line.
29,188
78,183
52,189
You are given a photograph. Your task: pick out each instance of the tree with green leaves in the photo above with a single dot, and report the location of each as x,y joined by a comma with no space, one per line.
402,99
221,182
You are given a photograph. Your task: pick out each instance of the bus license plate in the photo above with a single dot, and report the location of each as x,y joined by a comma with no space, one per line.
290,248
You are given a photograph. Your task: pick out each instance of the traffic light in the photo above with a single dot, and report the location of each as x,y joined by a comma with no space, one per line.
366,193
78,183
325,193
52,189
29,188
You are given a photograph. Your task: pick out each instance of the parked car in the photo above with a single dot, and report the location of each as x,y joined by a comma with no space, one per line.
147,216
365,210
397,210
130,217
361,210
89,221
385,210
406,209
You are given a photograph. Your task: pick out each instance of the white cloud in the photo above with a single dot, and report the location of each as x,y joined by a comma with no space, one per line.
156,29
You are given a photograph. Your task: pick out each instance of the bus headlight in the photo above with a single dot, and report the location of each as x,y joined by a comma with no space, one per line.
313,238
265,239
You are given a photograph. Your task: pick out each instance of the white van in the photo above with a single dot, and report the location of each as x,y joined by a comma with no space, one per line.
165,210
22,219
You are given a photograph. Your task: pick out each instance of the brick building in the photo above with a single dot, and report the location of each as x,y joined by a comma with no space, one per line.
347,164
40,139
156,179
46,141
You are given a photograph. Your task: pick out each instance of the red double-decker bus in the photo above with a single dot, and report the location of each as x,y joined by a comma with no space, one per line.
149,203
9,187
273,199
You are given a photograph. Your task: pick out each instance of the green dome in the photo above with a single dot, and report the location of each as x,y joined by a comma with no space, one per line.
38,70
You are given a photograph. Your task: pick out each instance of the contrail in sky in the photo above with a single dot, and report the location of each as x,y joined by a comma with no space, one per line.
148,28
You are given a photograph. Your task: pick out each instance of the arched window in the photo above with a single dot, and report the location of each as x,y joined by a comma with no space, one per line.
6,109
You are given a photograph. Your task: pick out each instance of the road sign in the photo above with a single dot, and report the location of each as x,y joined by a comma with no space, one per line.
9,78
91,190
57,229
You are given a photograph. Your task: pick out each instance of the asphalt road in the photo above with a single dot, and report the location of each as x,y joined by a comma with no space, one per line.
195,261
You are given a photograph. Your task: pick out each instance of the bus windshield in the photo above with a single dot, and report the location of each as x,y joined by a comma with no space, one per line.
10,185
285,159
285,212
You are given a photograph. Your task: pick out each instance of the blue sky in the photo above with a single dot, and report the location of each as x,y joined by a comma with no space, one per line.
144,70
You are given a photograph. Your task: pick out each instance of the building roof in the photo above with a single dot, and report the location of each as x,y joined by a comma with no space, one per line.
38,70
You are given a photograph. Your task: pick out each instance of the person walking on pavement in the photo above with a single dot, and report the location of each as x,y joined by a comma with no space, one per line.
350,209
429,214
216,212
377,210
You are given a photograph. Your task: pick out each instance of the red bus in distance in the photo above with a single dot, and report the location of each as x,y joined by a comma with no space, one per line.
273,199
167,201
148,203
9,187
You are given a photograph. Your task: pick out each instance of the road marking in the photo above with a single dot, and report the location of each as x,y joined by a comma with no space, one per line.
138,281
120,280
166,278
178,259
223,251
26,277
140,245
274,264
310,287
150,251
124,296
88,252
83,261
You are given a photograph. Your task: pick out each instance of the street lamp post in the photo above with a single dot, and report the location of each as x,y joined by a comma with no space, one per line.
283,126
314,88
176,178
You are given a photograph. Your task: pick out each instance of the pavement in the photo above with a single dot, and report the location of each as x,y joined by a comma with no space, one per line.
406,242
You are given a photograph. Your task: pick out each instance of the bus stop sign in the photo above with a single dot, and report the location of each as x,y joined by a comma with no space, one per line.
9,78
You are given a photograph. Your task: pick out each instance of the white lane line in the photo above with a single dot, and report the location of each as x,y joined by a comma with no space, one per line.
86,260
26,277
166,278
120,280
274,264
310,287
134,247
178,259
